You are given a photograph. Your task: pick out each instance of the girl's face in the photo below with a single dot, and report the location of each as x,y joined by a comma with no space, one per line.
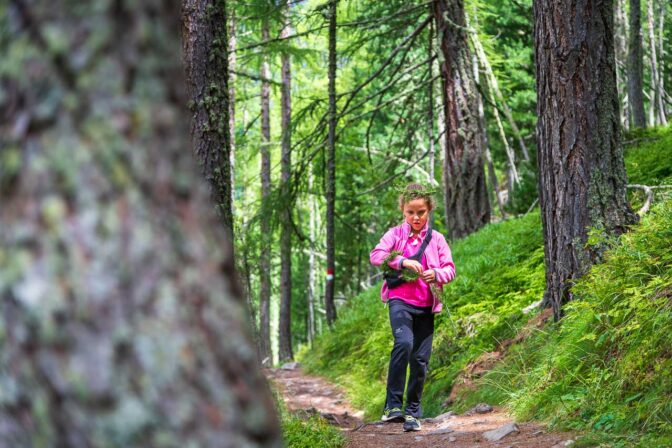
416,213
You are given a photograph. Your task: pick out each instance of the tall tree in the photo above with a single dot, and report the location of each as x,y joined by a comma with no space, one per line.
467,204
266,249
582,181
331,167
285,336
635,66
207,66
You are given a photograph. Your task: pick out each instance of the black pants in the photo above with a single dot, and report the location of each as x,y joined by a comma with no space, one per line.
412,329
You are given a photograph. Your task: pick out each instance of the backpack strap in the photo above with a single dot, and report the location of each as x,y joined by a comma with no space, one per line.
421,251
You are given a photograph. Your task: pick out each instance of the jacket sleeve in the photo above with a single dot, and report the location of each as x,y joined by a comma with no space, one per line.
445,273
383,250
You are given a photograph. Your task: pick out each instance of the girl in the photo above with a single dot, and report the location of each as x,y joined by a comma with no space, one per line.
412,304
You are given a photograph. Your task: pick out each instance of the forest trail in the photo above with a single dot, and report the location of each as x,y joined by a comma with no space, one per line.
312,394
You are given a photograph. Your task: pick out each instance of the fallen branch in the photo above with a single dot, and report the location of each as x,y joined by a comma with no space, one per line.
649,195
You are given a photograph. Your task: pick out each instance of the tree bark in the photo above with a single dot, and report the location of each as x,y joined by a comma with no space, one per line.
207,66
122,320
331,169
266,249
582,180
467,205
635,66
285,337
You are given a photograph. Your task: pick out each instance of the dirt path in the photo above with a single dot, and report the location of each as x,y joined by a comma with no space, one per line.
316,395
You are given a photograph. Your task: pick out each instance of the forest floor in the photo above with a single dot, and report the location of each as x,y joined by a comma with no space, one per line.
307,395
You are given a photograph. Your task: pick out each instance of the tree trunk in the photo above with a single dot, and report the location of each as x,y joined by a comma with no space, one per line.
430,104
662,53
266,252
331,169
312,284
621,53
122,320
232,100
635,67
495,92
486,147
285,337
207,66
467,205
657,100
582,180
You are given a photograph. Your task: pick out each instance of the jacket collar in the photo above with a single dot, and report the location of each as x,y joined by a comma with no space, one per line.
406,227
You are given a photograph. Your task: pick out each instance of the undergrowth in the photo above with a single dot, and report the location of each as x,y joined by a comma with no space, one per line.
605,369
298,432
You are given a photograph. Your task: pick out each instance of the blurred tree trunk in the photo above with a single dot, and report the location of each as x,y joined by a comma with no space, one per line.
635,66
331,168
467,204
621,53
582,180
122,320
266,251
285,337
657,103
207,67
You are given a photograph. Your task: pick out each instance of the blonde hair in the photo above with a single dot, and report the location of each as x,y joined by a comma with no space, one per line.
416,191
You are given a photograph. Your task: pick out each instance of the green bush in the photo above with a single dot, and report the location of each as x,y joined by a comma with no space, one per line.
606,368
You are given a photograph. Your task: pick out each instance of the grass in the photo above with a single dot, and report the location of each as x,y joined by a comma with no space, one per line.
606,369
298,432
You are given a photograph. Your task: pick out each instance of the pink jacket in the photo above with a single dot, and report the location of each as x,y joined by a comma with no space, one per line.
437,254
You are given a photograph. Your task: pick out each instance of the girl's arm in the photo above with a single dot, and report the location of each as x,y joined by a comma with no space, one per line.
383,250
445,273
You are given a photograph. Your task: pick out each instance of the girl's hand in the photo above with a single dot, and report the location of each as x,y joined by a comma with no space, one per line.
429,276
412,265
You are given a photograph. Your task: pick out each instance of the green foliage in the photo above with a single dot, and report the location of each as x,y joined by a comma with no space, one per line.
648,156
310,432
604,369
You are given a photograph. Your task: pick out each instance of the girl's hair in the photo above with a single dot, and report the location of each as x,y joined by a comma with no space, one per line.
416,191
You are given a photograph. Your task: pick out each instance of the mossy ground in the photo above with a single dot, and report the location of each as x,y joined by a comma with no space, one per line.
605,369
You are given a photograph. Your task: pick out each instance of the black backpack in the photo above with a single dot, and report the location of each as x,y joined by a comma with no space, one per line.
394,279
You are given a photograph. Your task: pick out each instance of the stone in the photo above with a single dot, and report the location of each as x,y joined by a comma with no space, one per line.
480,408
501,432
419,438
291,365
441,417
442,431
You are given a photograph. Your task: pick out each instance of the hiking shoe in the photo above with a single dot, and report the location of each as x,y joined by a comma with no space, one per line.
392,415
411,423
